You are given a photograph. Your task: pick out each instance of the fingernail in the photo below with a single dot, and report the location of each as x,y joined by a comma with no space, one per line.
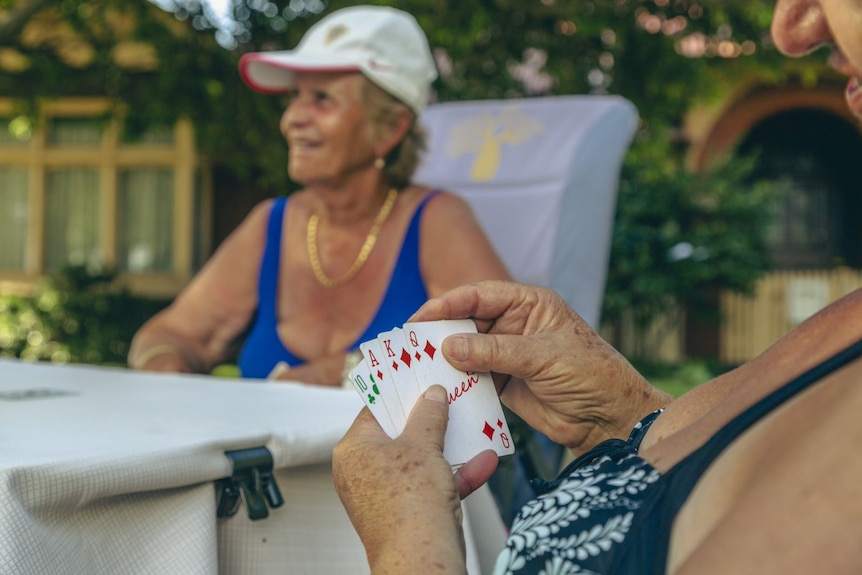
456,347
435,393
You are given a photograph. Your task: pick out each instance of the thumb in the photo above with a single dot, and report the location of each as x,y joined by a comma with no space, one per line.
429,417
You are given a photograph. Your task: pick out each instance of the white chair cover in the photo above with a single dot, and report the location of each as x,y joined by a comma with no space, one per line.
541,175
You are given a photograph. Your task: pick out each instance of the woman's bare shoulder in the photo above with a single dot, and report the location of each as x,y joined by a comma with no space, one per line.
254,219
442,199
787,489
252,228
454,247
812,342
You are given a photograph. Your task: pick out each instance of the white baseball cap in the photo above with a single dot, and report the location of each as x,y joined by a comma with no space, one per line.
385,44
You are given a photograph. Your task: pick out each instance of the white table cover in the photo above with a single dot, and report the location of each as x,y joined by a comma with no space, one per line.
116,477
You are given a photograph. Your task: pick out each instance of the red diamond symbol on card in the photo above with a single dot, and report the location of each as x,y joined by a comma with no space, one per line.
379,375
405,357
489,431
418,356
395,365
499,424
429,349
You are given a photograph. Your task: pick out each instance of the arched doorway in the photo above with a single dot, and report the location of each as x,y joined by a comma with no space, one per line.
810,143
817,157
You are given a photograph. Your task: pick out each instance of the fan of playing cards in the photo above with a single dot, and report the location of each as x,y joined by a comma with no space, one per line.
402,363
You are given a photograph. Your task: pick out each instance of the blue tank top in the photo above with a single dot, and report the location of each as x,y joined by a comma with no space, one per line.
611,512
263,348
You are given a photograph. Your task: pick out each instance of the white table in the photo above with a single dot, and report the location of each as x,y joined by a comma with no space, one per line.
116,476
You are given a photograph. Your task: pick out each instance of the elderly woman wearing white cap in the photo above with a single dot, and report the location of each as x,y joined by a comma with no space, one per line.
305,280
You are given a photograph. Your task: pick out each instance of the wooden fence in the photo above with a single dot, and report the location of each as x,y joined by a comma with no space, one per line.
781,301
749,324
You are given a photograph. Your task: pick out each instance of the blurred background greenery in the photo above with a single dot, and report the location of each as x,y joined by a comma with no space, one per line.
74,316
80,317
666,56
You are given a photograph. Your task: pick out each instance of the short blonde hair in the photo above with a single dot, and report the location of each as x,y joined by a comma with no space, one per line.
403,160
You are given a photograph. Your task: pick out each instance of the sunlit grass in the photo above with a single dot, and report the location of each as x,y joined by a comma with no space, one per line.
680,378
225,370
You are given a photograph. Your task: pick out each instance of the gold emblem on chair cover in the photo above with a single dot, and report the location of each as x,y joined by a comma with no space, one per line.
485,136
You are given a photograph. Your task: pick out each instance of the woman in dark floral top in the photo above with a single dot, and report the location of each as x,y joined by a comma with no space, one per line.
755,472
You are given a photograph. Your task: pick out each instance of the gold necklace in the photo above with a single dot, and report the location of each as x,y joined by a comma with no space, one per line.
364,251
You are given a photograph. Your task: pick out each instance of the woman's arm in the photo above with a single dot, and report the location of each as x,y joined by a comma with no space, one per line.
785,497
197,330
549,366
567,382
817,338
454,248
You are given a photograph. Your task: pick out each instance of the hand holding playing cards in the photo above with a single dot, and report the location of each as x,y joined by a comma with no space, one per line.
401,494
549,366
400,364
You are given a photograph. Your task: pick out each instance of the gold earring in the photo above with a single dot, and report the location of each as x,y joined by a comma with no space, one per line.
379,163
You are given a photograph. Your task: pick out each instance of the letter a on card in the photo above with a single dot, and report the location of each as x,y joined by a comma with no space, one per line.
375,361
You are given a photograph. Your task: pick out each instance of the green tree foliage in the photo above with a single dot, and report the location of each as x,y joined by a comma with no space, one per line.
196,79
74,316
663,55
626,47
681,235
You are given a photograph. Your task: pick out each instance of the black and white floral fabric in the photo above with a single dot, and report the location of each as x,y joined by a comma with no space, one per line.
581,519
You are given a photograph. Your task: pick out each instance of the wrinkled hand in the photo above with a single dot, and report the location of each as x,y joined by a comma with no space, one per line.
549,366
401,494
